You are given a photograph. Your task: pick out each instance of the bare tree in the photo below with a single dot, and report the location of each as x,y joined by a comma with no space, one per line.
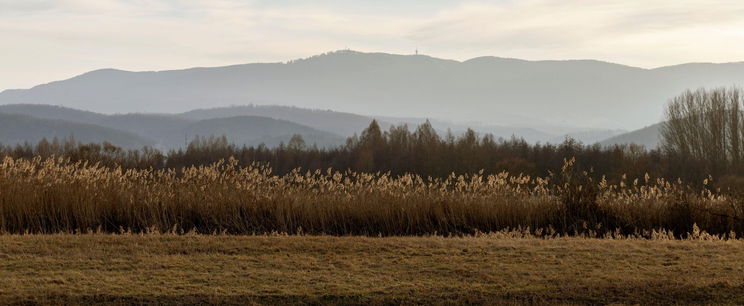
706,125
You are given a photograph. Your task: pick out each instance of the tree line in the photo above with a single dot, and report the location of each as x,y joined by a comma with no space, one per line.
703,136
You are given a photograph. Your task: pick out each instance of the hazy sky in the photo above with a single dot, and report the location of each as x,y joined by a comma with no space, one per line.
44,40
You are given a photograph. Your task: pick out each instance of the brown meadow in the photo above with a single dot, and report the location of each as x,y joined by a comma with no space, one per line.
165,269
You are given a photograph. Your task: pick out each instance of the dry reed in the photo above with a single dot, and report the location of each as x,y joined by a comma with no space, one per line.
55,195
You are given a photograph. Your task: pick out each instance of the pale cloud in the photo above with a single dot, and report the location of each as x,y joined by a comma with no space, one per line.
625,31
48,40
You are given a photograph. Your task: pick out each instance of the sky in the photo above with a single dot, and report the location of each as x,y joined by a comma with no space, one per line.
44,40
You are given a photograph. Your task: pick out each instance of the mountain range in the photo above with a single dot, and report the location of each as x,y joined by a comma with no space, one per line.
243,125
323,98
31,122
556,97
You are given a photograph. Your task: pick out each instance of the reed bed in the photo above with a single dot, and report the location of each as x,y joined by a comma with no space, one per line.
55,195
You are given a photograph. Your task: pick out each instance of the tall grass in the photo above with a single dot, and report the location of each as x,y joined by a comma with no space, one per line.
56,195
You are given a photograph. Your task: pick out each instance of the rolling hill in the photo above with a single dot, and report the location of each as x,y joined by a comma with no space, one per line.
254,130
649,137
344,124
154,126
170,131
348,124
18,129
589,136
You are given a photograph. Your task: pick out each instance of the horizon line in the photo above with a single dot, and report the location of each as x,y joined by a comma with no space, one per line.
418,54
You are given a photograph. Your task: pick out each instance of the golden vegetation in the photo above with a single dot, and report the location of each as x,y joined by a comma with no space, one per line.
55,195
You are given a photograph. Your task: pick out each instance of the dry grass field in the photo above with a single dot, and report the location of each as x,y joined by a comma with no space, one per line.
225,269
83,233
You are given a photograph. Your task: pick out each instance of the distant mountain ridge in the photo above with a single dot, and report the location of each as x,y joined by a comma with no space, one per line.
19,129
344,124
255,130
323,127
590,136
31,123
490,90
649,137
348,124
162,131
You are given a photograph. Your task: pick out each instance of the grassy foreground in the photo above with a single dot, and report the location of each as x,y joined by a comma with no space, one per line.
171,269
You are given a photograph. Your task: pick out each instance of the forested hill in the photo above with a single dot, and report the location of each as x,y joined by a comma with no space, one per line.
18,129
160,130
